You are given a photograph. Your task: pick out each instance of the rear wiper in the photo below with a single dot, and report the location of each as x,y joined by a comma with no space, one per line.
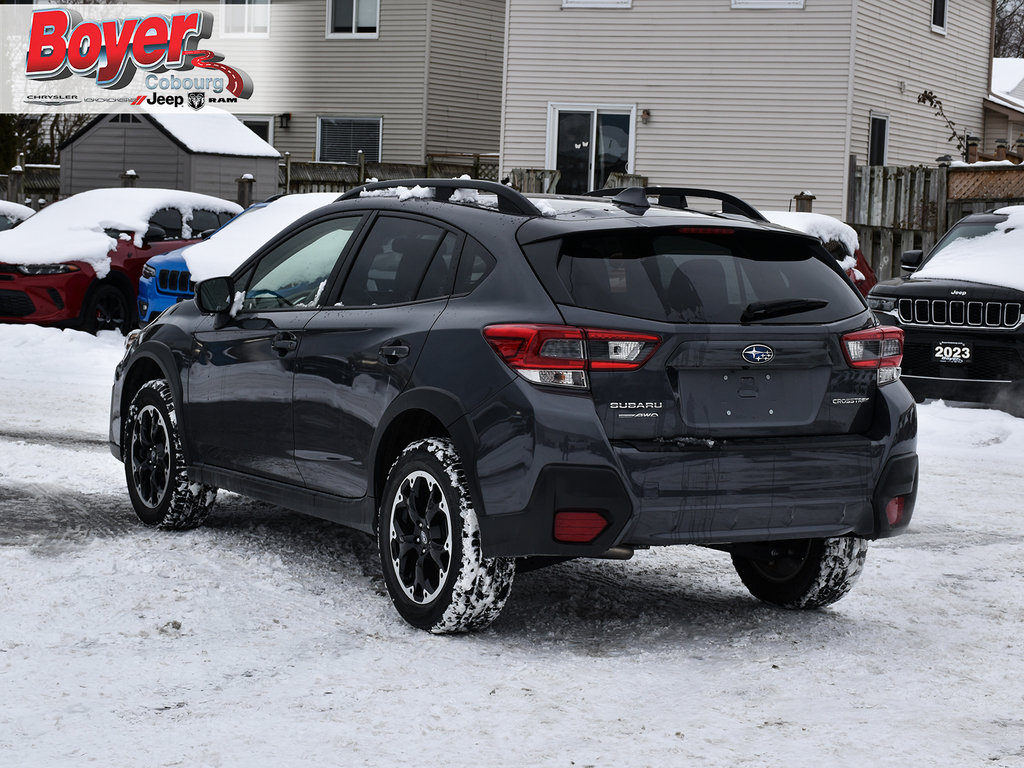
762,310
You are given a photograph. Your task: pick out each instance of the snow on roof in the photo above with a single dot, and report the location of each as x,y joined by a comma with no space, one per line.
15,211
993,258
241,237
73,229
213,131
1007,74
825,228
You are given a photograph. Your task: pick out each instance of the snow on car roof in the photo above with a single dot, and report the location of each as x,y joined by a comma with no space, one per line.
993,258
15,211
235,242
73,229
213,131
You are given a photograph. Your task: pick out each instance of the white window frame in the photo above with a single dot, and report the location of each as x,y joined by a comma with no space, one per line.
247,6
551,142
329,35
768,4
380,133
872,116
945,16
270,120
597,3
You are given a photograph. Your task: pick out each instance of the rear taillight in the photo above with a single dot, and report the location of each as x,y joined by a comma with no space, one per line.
561,355
877,348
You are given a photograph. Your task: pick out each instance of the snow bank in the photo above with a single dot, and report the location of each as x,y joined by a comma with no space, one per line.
995,258
73,229
56,381
240,238
215,132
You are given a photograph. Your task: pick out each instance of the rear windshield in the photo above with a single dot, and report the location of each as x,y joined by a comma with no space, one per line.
711,275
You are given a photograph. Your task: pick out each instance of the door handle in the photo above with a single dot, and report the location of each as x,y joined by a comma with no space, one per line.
284,343
392,353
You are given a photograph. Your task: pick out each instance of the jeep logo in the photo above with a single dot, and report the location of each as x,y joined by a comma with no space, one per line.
957,293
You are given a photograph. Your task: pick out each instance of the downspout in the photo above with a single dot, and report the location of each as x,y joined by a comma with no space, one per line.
426,83
504,92
847,170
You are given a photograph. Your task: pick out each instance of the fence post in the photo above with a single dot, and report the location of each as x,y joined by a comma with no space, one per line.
16,181
362,167
245,182
129,178
804,201
287,173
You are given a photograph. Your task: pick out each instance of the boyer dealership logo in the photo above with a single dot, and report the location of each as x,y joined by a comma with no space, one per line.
112,51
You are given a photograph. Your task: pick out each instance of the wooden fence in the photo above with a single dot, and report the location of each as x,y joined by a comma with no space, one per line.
295,177
896,209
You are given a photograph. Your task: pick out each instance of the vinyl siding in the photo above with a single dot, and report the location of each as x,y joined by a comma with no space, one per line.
105,151
298,70
218,175
464,76
895,43
753,102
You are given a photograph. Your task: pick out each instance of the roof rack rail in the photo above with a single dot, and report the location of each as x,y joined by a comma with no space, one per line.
675,197
509,200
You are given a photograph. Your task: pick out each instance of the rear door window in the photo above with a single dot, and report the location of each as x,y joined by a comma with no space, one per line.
705,275
401,260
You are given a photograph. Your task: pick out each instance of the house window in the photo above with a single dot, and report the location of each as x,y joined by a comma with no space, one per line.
878,143
767,3
261,125
587,143
339,139
249,18
939,15
353,18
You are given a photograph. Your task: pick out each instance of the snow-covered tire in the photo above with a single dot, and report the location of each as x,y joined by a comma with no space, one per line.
429,542
157,477
806,573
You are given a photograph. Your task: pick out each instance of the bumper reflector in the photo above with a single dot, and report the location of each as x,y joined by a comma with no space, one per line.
894,510
578,526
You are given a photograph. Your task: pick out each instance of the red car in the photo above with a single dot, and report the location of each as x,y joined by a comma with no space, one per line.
77,262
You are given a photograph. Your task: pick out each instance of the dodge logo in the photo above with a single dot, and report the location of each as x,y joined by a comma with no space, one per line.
758,353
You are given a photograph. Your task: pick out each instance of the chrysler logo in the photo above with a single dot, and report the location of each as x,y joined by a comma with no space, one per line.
758,353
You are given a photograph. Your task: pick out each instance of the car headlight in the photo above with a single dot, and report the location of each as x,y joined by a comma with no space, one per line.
882,303
148,271
46,269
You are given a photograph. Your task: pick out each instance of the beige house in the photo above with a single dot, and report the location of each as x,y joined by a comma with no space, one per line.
761,98
397,79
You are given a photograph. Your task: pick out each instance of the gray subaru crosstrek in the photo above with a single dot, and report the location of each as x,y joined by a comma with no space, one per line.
484,379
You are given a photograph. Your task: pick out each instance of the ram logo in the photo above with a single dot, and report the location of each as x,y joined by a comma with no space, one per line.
758,353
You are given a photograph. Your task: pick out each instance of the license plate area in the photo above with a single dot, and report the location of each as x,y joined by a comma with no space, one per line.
952,353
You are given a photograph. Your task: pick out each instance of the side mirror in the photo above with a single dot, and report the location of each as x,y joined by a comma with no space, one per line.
206,233
911,260
155,232
215,296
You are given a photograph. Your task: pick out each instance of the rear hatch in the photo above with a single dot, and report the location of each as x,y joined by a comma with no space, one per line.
724,331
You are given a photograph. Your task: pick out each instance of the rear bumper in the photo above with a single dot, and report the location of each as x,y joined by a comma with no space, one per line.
698,492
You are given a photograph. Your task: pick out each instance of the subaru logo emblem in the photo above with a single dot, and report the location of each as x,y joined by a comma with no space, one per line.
758,353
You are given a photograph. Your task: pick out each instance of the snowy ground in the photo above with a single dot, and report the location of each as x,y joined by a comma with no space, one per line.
266,638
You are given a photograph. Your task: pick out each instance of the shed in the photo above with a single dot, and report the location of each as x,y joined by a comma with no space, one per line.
204,152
